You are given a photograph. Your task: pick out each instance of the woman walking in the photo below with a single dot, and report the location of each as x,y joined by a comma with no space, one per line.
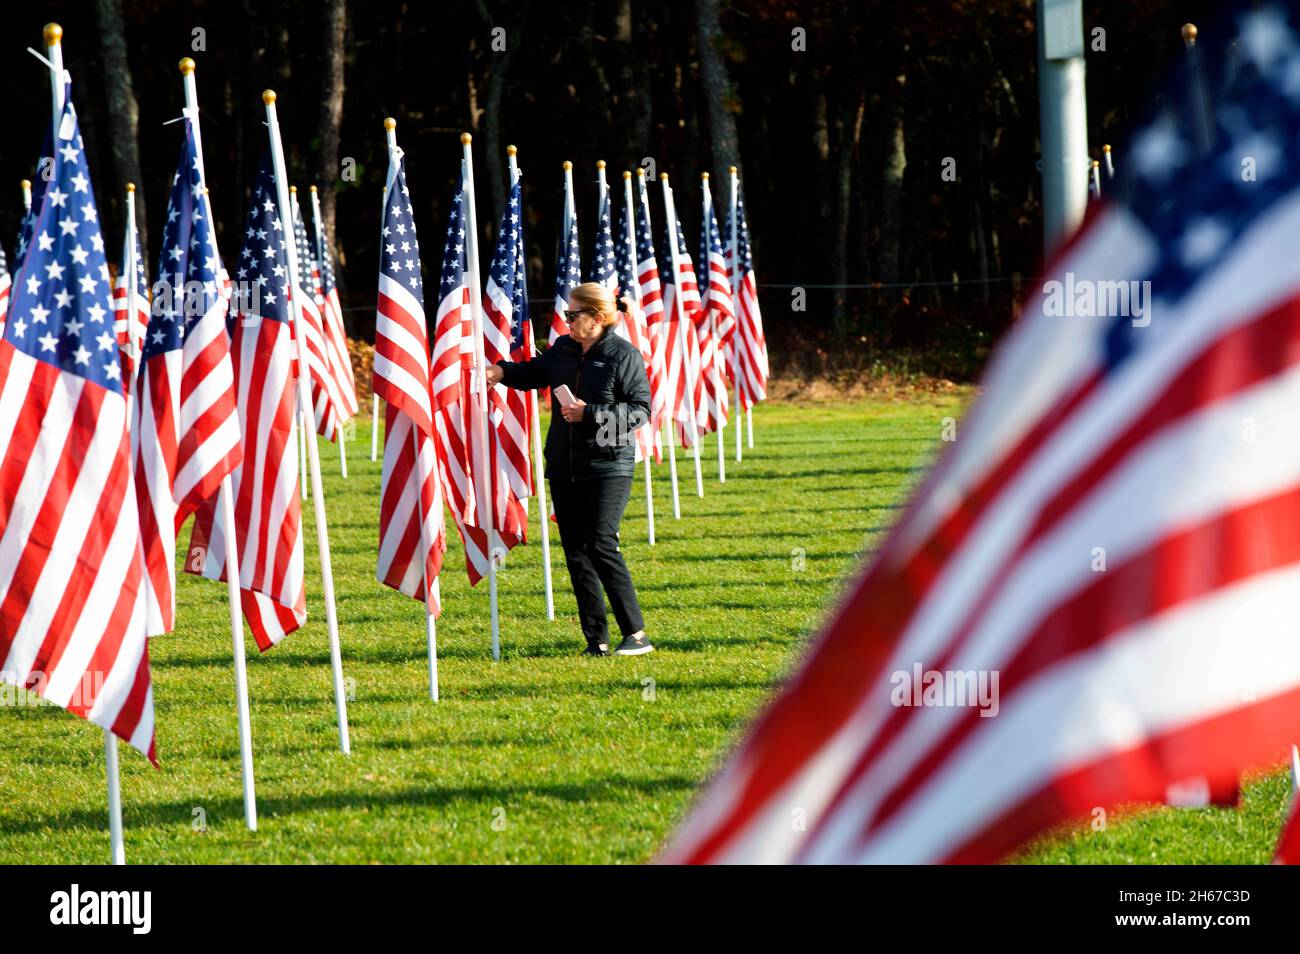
590,456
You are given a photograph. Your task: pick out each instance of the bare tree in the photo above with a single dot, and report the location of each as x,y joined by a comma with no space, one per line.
335,25
501,48
717,88
123,110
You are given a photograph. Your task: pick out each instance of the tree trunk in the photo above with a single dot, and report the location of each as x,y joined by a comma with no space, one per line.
848,127
634,96
331,116
891,198
492,149
717,88
123,110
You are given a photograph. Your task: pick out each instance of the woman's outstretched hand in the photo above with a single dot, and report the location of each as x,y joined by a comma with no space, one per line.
573,413
494,374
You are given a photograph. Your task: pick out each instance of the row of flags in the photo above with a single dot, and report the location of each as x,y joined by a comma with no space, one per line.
129,407
196,378
443,423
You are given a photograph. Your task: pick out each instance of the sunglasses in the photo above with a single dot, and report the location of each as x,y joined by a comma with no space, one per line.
572,316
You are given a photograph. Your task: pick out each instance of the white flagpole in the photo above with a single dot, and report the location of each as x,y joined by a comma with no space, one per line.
539,470
644,196
629,237
26,185
114,798
132,346
486,503
320,257
670,210
719,358
734,277
313,452
570,205
54,53
430,600
226,501
304,464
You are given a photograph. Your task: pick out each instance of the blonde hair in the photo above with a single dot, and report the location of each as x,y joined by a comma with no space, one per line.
597,297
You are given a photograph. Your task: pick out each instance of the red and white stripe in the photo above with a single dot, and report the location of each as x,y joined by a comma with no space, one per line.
711,400
72,612
632,326
340,355
510,422
412,535
683,381
1177,663
749,345
129,326
268,516
328,405
186,439
450,362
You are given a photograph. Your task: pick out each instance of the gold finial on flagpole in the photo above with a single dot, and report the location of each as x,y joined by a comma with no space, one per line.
663,177
25,183
626,174
186,66
704,176
390,123
268,96
53,34
600,163
732,169
566,165
640,171
511,151
1106,148
130,188
313,188
1189,32
293,190
466,139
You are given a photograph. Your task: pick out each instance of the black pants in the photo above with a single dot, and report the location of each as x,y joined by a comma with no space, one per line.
589,513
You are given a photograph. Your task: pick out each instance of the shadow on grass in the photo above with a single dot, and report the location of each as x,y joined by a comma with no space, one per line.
223,812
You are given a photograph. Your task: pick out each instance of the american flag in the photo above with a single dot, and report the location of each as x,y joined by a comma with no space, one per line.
652,304
568,276
750,346
1114,536
507,336
129,324
632,326
72,612
268,517
717,290
186,430
328,404
454,405
332,309
680,344
711,405
5,283
603,270
412,535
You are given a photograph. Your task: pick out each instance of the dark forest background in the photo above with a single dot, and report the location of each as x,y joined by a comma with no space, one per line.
841,144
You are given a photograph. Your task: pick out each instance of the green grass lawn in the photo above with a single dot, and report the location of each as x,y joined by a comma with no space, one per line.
543,756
